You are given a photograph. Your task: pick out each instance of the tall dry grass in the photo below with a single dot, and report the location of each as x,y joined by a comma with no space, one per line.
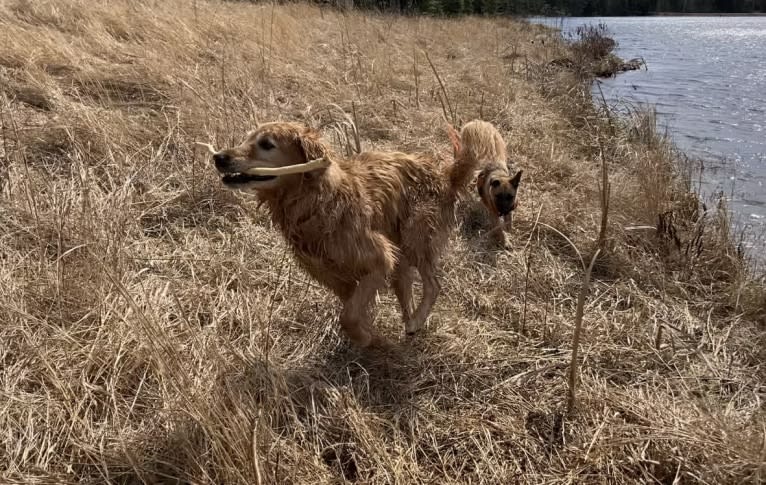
156,330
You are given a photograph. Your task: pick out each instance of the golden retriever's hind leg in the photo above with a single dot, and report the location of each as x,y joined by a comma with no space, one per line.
431,291
402,286
355,319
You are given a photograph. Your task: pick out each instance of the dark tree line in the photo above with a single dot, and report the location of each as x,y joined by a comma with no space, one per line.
557,7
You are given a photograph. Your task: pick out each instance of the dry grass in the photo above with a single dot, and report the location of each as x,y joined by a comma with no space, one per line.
156,330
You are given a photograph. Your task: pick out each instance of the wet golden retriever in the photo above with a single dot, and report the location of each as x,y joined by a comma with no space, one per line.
360,223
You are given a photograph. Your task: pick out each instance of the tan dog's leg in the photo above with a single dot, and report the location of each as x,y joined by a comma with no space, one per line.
402,286
496,235
355,317
431,290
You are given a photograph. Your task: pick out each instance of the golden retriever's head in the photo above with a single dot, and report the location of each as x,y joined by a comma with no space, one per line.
271,145
498,190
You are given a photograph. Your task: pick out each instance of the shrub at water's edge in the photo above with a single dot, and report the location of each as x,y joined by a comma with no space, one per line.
592,51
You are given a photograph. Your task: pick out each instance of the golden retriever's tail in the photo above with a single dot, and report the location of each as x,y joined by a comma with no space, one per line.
468,149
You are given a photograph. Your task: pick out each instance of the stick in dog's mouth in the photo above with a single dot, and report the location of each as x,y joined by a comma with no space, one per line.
276,171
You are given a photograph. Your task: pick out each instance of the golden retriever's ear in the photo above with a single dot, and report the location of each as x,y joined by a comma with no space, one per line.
312,145
454,138
516,180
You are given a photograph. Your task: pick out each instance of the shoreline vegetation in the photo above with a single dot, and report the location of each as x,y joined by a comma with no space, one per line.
591,53
156,329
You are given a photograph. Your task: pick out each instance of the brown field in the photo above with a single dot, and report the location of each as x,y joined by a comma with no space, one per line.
155,328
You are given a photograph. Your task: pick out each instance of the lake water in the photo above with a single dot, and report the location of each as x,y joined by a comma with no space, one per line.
707,78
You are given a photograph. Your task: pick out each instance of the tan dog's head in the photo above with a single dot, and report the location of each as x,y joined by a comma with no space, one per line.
498,190
271,145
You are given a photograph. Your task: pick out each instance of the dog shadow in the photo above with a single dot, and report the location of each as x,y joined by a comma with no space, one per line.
306,402
382,377
314,403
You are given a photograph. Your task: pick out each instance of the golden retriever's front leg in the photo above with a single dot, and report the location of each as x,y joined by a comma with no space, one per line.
402,285
431,291
355,319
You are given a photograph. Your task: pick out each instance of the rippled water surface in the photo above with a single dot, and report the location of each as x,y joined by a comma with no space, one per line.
707,78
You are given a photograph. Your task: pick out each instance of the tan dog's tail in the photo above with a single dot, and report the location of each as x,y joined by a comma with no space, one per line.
461,171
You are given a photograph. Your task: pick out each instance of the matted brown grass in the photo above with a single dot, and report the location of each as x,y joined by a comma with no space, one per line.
156,330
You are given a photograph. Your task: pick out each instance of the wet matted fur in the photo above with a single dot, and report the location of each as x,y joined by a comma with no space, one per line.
359,224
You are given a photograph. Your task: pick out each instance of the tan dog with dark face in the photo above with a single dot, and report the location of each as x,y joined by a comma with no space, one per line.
497,188
359,223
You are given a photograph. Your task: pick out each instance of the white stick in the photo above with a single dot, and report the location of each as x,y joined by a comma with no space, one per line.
290,169
286,170
208,146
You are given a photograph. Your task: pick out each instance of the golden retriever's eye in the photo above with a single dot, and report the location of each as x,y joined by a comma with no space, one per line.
265,144
495,184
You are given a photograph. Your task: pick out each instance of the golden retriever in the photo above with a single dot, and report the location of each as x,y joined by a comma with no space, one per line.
359,223
497,188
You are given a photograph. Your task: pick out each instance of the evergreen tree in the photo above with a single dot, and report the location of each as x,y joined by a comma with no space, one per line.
487,7
433,7
452,7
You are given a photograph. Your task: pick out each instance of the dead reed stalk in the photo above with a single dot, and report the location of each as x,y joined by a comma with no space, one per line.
605,190
452,117
573,365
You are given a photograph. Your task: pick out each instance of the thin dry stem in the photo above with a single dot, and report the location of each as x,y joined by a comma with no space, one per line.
573,365
452,115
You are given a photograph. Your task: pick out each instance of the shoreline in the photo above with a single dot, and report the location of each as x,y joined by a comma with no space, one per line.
654,14
671,14
749,233
739,220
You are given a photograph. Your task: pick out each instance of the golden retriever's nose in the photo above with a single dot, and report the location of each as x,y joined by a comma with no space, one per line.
222,161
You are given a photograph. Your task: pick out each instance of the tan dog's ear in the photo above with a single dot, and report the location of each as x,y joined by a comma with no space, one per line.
454,138
516,180
312,145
